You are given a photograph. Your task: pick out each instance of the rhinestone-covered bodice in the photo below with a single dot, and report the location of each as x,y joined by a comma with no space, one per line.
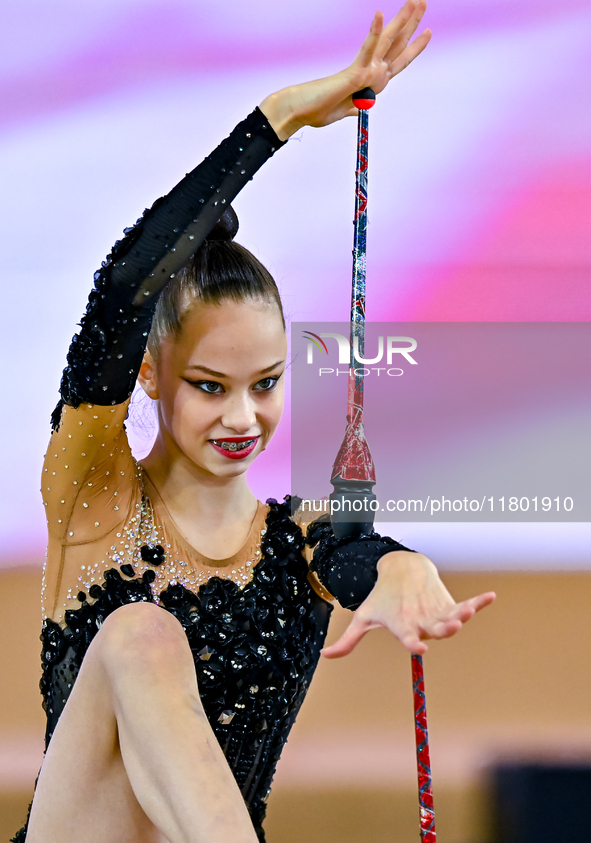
255,644
254,622
255,649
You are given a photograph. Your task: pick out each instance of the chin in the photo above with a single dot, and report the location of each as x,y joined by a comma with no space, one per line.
230,467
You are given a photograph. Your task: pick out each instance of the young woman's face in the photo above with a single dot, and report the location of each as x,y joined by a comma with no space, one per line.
221,386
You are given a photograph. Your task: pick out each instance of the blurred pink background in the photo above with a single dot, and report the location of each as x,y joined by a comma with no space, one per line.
479,190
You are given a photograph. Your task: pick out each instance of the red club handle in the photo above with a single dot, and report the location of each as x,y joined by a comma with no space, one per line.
427,814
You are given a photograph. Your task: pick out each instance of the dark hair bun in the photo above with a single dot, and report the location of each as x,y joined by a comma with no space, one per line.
226,227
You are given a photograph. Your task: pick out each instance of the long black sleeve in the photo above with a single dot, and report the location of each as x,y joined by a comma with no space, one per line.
347,567
105,356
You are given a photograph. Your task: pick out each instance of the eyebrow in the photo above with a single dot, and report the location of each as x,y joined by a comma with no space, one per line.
209,371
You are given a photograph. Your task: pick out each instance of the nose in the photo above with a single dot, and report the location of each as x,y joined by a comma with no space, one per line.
239,414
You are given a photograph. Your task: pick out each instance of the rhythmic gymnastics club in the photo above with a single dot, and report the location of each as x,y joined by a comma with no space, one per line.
353,472
427,814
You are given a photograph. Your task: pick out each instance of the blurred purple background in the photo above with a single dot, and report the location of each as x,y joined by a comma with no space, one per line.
480,191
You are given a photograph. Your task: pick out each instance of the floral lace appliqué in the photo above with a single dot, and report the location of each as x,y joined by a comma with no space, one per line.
255,650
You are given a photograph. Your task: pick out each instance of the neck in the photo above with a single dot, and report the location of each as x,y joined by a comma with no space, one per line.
188,490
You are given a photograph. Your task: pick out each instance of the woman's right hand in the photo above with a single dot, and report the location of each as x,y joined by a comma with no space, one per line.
384,53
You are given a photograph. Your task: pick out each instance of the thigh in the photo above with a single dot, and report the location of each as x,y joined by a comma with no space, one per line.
83,794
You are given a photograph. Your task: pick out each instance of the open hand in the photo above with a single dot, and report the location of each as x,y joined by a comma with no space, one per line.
410,600
384,53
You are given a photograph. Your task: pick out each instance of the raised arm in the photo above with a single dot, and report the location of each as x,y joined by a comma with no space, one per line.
105,356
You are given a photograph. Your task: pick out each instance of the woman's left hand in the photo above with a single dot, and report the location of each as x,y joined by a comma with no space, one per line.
410,600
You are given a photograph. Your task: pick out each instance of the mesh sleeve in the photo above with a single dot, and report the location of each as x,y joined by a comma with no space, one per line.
348,569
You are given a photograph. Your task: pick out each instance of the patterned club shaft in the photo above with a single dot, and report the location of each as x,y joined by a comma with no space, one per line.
355,397
354,460
423,761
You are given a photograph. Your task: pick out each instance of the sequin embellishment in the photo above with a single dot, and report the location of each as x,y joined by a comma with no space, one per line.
143,546
255,650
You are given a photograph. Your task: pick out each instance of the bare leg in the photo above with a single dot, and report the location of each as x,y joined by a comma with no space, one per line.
133,758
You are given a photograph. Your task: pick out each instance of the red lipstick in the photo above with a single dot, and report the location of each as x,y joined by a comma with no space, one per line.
232,447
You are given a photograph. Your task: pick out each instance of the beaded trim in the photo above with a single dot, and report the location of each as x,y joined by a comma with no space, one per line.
169,566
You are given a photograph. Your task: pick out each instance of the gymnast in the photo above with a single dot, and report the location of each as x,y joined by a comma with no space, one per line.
184,618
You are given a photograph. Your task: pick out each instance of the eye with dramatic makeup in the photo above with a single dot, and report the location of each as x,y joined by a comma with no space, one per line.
267,384
202,386
271,382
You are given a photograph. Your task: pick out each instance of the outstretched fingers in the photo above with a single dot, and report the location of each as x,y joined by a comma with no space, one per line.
381,41
441,628
413,19
410,53
480,601
368,48
484,600
399,31
350,638
433,616
451,621
411,639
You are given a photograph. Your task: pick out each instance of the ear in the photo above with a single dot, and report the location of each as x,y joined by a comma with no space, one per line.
147,376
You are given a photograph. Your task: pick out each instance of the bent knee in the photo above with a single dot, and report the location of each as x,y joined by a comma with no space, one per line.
142,631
